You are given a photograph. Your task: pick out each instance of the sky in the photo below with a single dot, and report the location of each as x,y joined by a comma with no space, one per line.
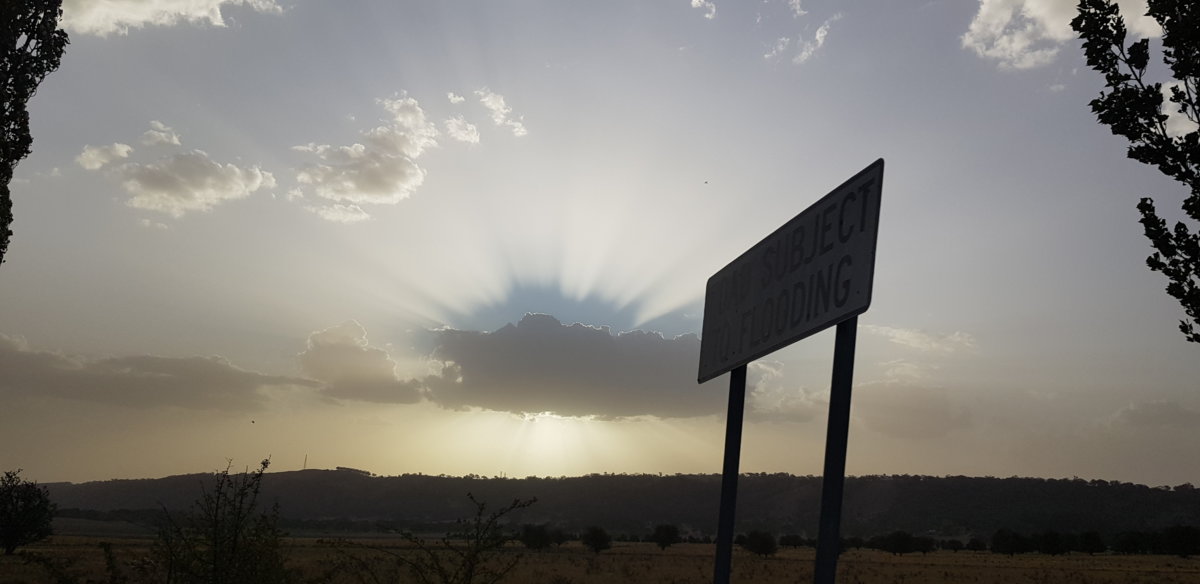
473,237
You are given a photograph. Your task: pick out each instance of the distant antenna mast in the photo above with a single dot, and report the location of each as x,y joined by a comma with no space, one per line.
305,467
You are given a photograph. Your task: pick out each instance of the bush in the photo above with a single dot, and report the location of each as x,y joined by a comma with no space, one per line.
664,536
25,512
467,555
534,537
222,539
761,543
596,539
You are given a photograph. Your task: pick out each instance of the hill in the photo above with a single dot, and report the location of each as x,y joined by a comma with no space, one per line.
633,504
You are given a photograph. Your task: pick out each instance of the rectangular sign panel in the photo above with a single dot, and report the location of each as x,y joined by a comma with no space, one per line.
810,274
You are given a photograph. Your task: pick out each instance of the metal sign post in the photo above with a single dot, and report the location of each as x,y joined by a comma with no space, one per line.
829,531
729,475
815,271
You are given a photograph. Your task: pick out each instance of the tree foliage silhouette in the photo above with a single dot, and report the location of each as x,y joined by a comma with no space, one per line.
223,538
31,46
470,554
25,512
665,535
595,538
1133,107
761,543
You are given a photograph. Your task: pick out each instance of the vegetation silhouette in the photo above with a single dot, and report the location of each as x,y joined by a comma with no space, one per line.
1132,107
665,535
26,512
759,542
470,554
595,538
535,537
31,47
223,539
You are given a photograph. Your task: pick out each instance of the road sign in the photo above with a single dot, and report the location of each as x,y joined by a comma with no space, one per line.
812,273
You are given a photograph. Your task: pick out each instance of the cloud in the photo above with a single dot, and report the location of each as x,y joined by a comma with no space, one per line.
541,365
907,411
771,399
160,133
461,130
105,17
797,9
809,48
709,8
95,157
916,339
1178,124
1157,414
141,381
382,169
455,98
341,357
339,213
905,370
501,112
189,181
1023,34
781,45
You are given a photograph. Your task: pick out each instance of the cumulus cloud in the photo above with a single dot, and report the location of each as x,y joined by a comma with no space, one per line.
808,48
709,8
771,399
1022,34
189,181
382,169
95,157
908,411
136,381
1157,414
351,368
105,17
500,111
916,339
455,98
797,8
462,130
542,365
160,133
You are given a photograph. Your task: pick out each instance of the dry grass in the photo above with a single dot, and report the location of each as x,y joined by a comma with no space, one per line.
629,563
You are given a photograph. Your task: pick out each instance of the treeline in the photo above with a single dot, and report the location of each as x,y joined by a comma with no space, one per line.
950,507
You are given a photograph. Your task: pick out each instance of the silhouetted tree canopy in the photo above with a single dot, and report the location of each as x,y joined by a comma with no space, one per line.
535,537
761,543
665,535
1132,107
596,539
25,512
32,46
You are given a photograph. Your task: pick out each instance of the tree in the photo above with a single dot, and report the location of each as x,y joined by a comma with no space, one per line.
534,537
223,538
1181,540
1132,107
665,535
1091,542
31,46
761,543
25,512
596,539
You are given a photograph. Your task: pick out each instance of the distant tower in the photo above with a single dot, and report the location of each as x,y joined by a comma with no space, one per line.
305,467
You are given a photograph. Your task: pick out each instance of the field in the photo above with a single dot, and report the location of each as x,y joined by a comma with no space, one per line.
83,561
